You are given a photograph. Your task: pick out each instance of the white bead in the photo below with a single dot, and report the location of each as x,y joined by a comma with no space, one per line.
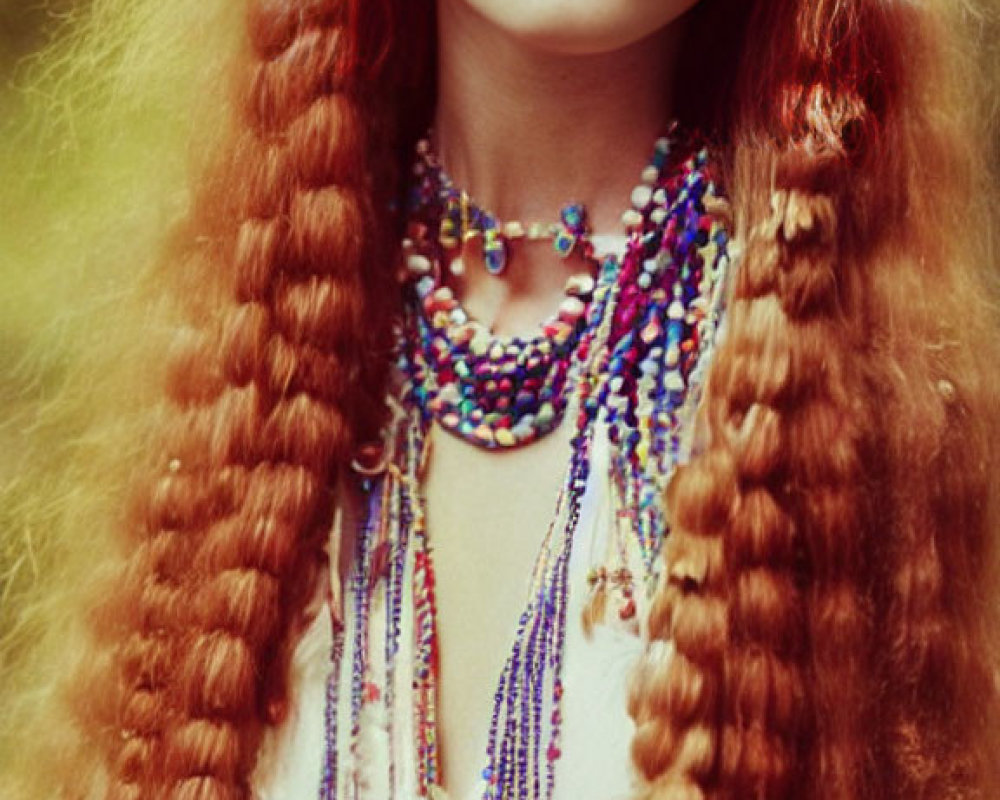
641,196
457,267
449,394
571,309
663,144
514,230
673,382
480,341
418,264
537,230
580,285
632,218
660,197
650,174
659,216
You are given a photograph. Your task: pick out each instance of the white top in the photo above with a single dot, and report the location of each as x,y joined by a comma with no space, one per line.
596,731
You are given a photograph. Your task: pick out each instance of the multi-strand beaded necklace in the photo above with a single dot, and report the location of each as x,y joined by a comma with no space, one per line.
625,353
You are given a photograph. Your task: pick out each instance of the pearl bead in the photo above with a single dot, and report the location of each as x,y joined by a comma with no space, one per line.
641,196
443,295
632,218
418,264
480,341
514,230
571,309
581,285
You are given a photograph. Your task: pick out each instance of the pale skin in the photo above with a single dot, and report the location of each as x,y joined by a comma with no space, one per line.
540,102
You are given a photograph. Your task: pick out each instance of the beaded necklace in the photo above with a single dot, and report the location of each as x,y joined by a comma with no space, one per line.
497,391
633,374
456,218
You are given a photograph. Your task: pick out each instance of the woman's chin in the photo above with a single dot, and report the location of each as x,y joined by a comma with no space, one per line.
579,27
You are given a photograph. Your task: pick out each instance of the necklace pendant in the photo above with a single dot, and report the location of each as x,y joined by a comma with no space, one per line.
495,252
572,231
564,243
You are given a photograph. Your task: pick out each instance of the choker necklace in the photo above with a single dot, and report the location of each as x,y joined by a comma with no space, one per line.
491,390
463,220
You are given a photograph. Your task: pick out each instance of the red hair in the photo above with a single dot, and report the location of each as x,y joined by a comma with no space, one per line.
832,548
831,569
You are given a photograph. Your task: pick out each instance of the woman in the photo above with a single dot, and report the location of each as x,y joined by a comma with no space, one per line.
818,623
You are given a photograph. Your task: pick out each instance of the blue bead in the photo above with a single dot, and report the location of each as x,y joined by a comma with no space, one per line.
574,217
563,244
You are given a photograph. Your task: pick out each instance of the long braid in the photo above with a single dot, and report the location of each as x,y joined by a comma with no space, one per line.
269,392
777,481
818,653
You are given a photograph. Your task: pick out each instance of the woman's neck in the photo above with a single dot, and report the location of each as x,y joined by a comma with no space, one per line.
525,131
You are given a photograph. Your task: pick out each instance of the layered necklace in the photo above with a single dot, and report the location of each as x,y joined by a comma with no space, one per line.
625,352
491,390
